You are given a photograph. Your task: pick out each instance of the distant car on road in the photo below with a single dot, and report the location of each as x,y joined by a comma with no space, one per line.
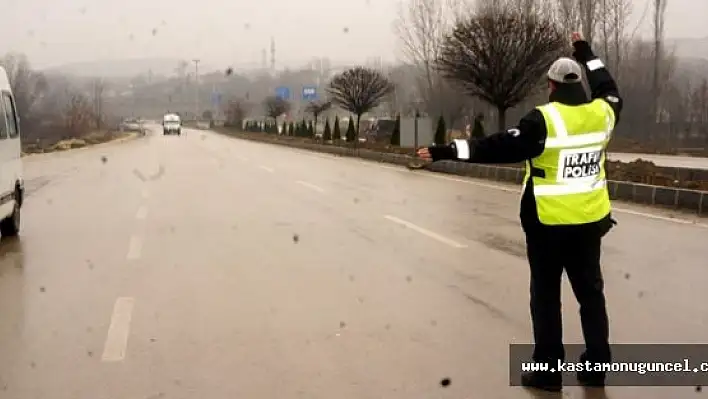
171,124
131,125
11,182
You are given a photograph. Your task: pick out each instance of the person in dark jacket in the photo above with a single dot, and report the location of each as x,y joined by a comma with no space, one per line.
565,205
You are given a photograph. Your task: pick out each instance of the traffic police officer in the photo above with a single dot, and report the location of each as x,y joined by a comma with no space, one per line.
565,205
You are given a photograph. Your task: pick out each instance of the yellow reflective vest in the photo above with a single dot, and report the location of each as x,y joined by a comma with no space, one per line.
569,182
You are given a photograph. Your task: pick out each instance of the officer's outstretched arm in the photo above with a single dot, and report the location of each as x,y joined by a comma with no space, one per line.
525,141
602,85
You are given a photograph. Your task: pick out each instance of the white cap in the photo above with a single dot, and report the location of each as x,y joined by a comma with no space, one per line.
565,70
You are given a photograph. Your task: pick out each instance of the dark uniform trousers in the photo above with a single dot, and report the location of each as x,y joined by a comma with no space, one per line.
575,249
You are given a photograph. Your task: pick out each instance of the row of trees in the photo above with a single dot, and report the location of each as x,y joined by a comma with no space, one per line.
304,128
357,90
495,55
496,51
333,133
52,107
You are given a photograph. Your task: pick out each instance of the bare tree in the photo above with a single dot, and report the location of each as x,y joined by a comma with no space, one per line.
658,20
621,10
51,104
405,78
236,111
316,108
569,14
275,106
99,87
500,55
701,105
612,30
589,18
27,85
544,7
77,115
421,26
701,109
359,90
643,113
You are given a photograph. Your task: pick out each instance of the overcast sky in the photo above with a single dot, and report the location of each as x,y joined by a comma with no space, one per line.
53,32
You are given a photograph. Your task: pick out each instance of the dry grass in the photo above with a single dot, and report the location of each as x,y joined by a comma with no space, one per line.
72,143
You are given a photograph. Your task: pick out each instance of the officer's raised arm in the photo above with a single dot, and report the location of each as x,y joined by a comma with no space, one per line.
602,85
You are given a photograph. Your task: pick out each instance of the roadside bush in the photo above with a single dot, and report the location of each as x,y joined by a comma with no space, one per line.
440,132
351,131
396,135
304,128
327,135
336,132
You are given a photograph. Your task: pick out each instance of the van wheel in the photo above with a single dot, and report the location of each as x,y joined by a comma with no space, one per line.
10,226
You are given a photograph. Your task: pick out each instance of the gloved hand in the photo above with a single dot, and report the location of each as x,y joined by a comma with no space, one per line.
435,153
582,52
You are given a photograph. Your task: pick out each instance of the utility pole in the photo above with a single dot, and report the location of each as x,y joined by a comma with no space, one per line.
214,105
196,90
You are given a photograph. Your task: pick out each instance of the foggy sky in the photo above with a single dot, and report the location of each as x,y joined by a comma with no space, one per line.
54,32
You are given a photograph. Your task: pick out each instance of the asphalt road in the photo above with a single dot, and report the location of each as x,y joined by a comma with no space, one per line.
206,267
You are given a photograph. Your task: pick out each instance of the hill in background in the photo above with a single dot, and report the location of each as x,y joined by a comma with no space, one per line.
690,48
123,68
693,48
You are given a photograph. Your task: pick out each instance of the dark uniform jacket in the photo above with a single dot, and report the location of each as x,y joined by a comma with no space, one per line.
526,140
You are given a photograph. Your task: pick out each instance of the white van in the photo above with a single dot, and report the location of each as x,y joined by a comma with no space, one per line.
171,124
11,183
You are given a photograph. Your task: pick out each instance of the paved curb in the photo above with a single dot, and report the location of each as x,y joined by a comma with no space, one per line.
676,198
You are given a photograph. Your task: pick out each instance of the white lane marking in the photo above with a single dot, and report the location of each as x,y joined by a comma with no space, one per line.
310,186
117,338
426,232
518,191
135,247
614,208
146,193
267,169
474,183
497,187
141,213
332,157
659,217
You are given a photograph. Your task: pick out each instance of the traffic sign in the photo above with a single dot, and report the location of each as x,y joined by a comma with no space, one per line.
309,93
283,93
215,98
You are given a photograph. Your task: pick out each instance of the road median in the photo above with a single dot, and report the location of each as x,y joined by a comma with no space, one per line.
687,200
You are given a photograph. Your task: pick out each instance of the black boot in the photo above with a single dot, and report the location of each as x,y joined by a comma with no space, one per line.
591,378
543,380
